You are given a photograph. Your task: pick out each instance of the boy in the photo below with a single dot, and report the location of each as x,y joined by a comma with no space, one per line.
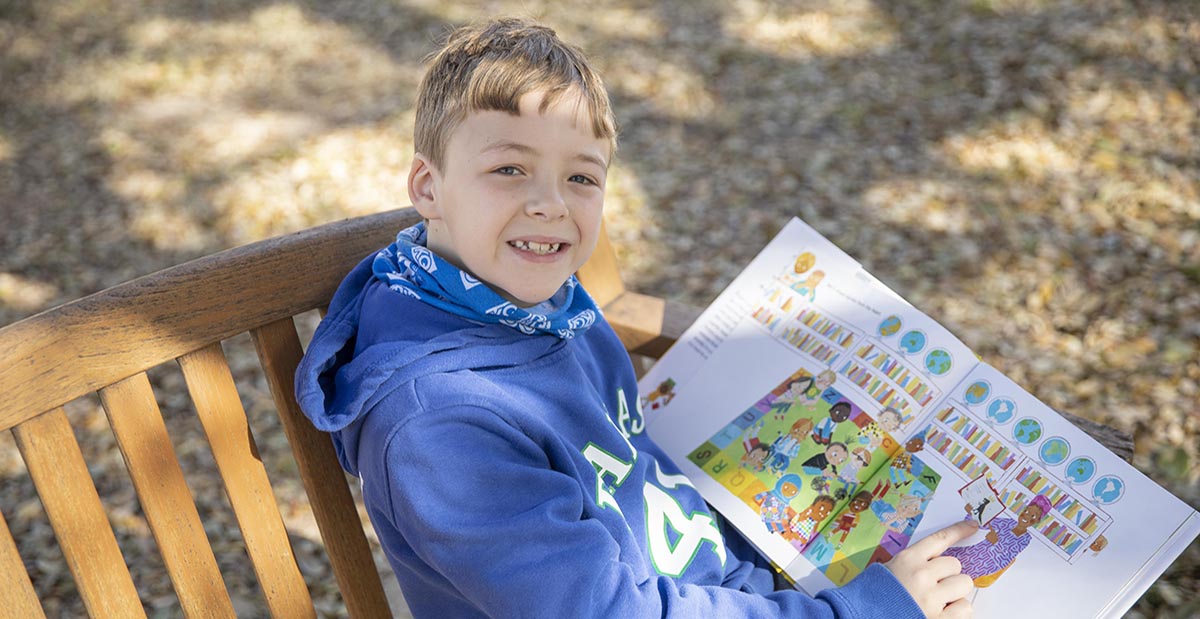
484,402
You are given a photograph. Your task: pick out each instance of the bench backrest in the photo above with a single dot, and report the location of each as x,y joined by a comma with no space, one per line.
105,343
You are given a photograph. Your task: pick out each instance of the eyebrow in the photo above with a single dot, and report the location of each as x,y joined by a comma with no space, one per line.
505,145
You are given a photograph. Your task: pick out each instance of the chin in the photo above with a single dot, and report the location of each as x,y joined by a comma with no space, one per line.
529,298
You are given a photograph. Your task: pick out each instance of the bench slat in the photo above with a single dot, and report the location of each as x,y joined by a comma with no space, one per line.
60,475
600,275
19,601
337,517
141,434
215,395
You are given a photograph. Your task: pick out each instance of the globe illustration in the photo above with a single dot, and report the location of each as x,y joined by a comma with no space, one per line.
912,342
1108,489
977,392
1001,410
889,326
1027,431
1054,451
1081,470
937,361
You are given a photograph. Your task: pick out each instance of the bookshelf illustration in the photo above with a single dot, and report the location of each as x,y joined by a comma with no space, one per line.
972,447
803,327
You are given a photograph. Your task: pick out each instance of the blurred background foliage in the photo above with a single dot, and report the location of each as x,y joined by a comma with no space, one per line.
1025,171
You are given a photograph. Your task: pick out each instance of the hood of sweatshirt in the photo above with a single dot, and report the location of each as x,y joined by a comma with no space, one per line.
374,340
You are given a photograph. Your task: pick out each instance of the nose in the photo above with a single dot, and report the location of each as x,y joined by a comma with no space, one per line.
546,202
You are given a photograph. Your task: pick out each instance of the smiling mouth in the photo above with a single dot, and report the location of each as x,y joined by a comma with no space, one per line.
541,249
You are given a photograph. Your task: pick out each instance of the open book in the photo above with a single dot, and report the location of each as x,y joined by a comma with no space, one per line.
832,423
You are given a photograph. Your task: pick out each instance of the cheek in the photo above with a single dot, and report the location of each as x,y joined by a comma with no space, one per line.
589,227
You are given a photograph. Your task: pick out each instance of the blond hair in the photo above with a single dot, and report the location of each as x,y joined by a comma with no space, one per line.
490,66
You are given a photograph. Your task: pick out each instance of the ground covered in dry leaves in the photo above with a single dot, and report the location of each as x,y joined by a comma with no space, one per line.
1025,171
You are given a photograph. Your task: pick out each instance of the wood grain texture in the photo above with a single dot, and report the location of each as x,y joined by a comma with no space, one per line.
18,600
333,507
170,510
58,471
249,490
58,355
1118,442
648,325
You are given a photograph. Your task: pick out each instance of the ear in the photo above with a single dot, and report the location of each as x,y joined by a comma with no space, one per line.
423,187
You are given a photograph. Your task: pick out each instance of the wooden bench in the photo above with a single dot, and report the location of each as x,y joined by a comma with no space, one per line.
106,342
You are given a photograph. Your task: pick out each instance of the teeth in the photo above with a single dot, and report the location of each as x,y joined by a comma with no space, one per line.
537,248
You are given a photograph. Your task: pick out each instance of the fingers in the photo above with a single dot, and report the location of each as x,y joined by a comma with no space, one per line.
942,567
937,542
957,587
960,609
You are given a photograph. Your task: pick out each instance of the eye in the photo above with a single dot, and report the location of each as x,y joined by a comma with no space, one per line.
507,170
583,180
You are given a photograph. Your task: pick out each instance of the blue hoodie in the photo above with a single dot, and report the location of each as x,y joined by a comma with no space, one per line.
508,475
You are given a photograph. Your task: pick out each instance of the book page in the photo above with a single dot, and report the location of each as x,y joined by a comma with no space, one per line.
1103,521
809,358
833,423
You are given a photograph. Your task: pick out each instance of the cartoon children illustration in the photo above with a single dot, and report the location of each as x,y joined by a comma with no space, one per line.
870,435
778,462
849,518
812,395
803,526
902,464
826,463
890,420
873,433
775,502
909,507
986,560
859,459
794,391
756,457
823,432
790,443
757,452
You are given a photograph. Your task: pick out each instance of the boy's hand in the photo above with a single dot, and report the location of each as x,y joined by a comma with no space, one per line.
936,582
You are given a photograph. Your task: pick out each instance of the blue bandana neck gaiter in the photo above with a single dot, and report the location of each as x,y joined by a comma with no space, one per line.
409,267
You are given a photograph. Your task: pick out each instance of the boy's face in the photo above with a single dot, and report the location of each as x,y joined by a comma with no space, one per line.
519,201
